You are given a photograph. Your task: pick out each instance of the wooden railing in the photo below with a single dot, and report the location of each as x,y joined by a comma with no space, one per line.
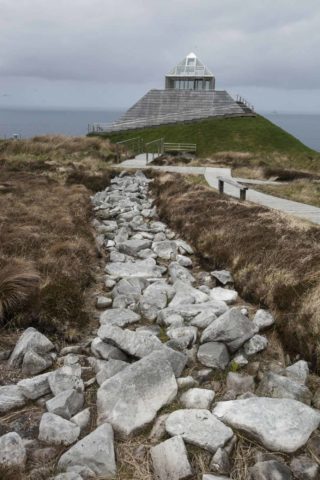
180,147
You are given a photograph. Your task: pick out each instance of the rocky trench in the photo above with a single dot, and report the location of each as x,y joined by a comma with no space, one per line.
175,363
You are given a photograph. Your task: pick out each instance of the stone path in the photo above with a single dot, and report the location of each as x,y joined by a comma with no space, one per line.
301,210
176,356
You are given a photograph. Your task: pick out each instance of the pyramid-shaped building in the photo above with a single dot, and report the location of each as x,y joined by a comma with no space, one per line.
189,95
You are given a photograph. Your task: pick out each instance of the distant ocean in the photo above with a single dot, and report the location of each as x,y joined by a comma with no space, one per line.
29,123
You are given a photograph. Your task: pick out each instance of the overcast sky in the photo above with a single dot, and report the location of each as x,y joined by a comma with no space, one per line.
107,53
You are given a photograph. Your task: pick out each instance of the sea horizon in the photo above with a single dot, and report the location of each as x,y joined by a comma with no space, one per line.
28,122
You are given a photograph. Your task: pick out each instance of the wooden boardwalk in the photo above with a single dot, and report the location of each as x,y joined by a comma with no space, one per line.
301,210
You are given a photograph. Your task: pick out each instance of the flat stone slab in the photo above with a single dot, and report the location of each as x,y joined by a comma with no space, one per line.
232,328
131,399
199,427
282,425
121,317
95,451
170,460
140,268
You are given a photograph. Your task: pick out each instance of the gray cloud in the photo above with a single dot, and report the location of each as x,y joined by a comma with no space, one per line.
133,43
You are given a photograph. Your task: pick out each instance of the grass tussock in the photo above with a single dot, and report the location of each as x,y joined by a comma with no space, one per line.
48,255
275,259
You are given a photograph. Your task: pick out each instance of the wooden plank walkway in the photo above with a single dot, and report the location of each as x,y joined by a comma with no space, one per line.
301,210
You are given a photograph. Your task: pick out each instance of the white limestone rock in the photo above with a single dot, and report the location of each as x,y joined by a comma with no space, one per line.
140,268
31,339
184,261
298,372
214,355
224,295
223,276
239,383
95,451
66,378
11,396
282,425
187,289
131,399
187,382
33,363
199,427
189,311
35,387
111,368
189,333
232,328
12,452
270,469
140,345
197,398
256,344
66,404
103,302
277,386
167,249
133,246
121,317
263,319
82,418
106,351
56,430
184,247
177,272
203,320
170,460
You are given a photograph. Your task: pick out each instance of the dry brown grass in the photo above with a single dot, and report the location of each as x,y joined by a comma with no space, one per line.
47,242
275,258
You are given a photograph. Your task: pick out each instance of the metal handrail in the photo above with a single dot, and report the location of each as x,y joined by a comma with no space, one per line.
159,143
136,145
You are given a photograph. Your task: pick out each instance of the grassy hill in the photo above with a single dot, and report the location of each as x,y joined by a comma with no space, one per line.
262,141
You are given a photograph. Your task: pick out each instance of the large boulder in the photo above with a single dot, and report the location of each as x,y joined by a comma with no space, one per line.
12,452
199,427
95,451
140,345
121,317
282,425
131,399
11,396
277,386
232,328
33,340
170,460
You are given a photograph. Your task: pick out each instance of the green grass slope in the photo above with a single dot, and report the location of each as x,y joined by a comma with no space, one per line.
255,135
